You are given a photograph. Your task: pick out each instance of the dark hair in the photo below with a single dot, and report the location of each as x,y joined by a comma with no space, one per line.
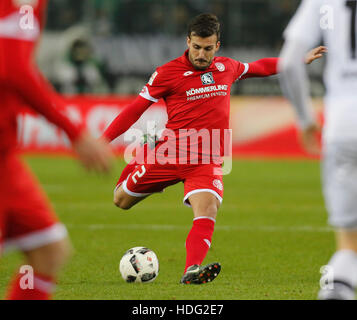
204,25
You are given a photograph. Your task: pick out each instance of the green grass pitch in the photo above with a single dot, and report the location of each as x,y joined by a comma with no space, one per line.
271,234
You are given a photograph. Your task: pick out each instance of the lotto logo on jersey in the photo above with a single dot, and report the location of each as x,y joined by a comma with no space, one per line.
207,78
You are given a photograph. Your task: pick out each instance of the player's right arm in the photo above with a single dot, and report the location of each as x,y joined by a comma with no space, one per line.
127,117
156,88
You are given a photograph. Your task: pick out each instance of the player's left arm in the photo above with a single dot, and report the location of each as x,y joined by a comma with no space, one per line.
314,54
261,68
269,66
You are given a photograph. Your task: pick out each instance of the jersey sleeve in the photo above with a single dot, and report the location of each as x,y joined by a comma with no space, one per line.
261,68
239,69
157,86
305,25
126,118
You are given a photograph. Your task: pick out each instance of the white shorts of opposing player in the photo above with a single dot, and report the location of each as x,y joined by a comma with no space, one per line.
339,178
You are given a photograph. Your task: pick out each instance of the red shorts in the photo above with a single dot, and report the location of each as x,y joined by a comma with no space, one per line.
27,220
151,178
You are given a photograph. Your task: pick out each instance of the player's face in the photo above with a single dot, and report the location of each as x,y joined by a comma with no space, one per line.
201,51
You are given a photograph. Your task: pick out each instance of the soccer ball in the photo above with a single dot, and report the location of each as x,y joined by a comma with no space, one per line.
139,264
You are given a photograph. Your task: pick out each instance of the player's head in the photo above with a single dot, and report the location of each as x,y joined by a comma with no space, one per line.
203,40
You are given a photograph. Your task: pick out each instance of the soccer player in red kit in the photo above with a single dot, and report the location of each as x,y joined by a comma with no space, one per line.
196,89
27,221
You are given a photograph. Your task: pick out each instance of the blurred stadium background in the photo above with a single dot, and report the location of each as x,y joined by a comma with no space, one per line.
127,39
99,54
271,236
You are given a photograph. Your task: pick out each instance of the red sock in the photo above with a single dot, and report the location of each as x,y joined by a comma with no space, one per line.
40,288
199,240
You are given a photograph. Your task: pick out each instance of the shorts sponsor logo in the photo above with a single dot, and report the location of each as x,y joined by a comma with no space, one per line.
218,184
220,66
207,78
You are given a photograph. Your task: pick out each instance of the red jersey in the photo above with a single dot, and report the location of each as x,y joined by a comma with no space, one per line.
196,99
197,103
